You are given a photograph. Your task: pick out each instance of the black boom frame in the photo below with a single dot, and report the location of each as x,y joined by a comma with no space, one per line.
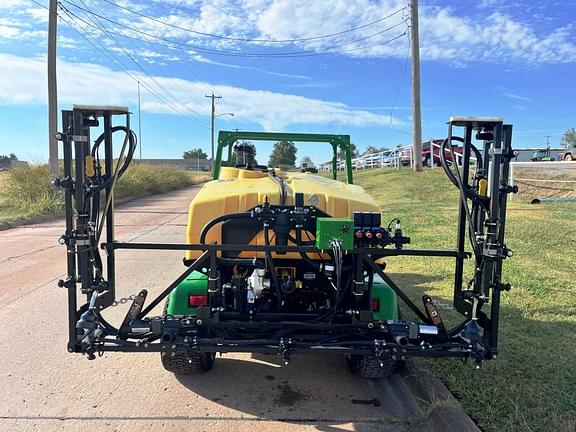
88,184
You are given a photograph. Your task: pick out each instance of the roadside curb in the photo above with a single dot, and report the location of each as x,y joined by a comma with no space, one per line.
440,407
4,226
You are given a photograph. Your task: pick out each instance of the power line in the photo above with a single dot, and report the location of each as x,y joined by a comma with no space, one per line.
305,53
160,87
400,83
283,41
105,52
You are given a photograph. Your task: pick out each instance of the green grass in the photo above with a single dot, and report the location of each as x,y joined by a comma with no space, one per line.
532,385
26,193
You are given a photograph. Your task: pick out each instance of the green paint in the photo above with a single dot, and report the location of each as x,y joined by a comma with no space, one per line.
388,301
195,284
226,139
328,229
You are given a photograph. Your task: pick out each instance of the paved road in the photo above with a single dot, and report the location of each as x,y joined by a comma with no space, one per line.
42,387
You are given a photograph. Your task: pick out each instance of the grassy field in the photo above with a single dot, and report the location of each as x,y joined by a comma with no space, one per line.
532,385
26,193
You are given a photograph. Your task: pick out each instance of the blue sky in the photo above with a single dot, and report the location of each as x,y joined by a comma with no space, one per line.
336,66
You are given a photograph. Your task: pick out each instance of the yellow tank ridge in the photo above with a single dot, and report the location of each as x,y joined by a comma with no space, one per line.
239,190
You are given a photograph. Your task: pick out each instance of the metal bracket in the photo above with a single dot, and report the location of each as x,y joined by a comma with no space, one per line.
79,138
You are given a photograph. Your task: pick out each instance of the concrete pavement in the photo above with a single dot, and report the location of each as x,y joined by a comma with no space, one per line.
42,387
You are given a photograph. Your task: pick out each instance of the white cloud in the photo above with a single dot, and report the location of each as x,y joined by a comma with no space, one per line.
9,4
445,36
200,58
518,97
24,83
39,15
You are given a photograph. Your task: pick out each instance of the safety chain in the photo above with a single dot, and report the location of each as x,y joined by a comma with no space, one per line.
123,300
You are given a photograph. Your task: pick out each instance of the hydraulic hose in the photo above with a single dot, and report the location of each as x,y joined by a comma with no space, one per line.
218,220
466,192
132,143
444,163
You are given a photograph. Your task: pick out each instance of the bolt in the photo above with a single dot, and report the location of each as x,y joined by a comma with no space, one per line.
173,346
494,356
370,325
199,322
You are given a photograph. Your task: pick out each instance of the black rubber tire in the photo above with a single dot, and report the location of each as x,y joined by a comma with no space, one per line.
568,157
368,366
188,364
184,363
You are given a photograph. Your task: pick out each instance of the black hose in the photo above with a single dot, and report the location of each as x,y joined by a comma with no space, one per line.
301,242
468,191
244,262
444,163
339,296
219,219
132,143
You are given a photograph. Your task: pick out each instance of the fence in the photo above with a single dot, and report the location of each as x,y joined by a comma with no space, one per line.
549,176
401,156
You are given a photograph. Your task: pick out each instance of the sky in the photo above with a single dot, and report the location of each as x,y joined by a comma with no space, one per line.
323,66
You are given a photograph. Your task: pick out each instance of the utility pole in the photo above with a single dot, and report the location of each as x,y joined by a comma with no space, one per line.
212,128
139,122
416,113
52,89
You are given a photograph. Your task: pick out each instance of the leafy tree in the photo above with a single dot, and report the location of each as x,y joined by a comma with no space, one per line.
244,144
353,152
373,149
569,138
283,153
5,161
196,153
13,157
306,160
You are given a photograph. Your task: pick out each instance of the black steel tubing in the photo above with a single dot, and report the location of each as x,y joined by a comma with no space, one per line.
306,249
397,290
108,160
67,122
194,266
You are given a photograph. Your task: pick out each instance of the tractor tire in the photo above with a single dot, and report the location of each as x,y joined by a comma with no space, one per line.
368,366
184,363
188,364
568,157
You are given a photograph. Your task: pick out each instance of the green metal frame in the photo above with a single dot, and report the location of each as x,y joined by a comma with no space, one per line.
228,138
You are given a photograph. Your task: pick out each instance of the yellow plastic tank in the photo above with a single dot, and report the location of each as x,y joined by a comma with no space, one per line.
239,190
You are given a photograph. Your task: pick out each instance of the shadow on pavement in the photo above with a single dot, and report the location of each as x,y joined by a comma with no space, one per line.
319,390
